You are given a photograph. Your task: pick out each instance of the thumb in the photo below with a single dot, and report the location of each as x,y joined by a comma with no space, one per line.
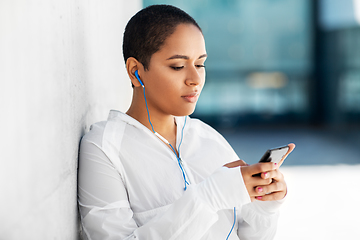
291,148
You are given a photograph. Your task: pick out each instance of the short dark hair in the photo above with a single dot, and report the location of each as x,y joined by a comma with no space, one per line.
147,30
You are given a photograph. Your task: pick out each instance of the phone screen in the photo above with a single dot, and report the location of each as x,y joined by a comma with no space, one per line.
274,154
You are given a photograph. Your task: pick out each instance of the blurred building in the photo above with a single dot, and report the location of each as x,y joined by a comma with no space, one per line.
338,61
279,61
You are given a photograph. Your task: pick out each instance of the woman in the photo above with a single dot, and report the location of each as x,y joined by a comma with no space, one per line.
153,172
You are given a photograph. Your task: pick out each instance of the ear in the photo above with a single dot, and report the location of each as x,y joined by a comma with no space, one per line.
131,66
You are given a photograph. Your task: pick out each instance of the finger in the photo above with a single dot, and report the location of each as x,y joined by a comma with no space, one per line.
236,164
255,193
274,174
266,175
261,167
291,148
271,188
257,182
272,196
277,176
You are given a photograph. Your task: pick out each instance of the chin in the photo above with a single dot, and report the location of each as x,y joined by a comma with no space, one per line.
184,112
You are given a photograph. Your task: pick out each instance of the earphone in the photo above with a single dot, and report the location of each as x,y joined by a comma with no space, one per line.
138,78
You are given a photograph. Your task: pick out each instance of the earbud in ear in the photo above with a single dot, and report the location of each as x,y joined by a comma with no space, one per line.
137,76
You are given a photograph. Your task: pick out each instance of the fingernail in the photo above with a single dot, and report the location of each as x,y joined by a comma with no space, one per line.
259,197
266,175
260,189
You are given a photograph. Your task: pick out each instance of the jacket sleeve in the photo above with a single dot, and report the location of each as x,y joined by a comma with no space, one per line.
259,220
106,212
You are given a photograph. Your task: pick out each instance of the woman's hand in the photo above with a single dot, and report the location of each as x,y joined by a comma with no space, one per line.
276,190
258,179
263,181
269,186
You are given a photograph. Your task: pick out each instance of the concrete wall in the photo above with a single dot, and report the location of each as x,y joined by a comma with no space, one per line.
61,69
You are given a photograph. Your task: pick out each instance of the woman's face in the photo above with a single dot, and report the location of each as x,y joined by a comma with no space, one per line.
176,73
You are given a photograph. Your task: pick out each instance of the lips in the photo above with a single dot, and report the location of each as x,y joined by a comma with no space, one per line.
192,97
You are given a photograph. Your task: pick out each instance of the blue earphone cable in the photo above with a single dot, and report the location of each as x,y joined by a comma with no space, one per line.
147,109
182,169
182,134
178,156
232,228
152,127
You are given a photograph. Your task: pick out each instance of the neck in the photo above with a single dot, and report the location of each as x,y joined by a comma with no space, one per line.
163,124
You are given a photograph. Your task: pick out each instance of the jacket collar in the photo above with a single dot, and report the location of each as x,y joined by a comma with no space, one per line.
115,115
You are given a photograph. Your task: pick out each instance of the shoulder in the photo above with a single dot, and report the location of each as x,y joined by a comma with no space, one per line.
105,138
95,133
105,132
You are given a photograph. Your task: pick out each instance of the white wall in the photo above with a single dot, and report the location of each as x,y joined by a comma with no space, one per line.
61,69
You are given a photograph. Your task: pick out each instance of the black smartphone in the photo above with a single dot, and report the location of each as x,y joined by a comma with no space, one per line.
275,154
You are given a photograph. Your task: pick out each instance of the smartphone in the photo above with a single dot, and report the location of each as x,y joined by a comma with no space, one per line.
275,154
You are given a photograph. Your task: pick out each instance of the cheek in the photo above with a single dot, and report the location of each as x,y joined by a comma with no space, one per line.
168,88
171,84
203,78
164,89
202,85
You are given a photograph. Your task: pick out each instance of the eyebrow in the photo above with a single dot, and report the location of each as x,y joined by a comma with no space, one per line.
177,56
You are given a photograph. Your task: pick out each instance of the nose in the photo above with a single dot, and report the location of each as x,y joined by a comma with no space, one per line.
195,76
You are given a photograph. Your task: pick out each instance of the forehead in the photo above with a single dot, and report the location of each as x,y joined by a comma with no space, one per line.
186,40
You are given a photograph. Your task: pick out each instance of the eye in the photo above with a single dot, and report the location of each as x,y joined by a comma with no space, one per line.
200,66
177,68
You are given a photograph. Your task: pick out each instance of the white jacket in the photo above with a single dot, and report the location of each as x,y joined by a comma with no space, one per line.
131,186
